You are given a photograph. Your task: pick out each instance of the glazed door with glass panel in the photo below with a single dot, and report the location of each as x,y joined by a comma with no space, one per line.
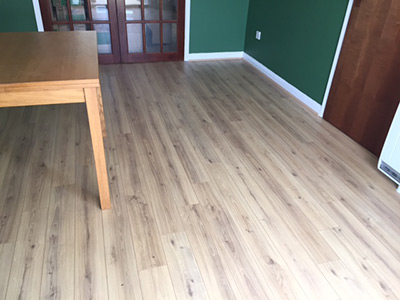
98,15
151,30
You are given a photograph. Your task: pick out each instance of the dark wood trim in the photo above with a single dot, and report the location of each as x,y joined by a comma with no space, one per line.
161,38
70,15
114,32
151,21
80,22
143,28
115,57
181,29
107,59
45,9
144,38
160,13
89,7
161,27
118,30
122,30
151,57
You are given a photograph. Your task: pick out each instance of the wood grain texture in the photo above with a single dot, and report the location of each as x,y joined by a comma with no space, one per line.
147,54
96,124
63,96
53,68
223,187
30,246
101,111
184,272
6,251
90,280
156,284
48,22
365,91
58,271
48,57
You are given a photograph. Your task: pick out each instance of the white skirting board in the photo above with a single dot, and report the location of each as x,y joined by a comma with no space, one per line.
214,55
315,106
187,29
38,15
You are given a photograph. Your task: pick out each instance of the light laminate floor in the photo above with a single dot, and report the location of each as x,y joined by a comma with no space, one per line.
222,185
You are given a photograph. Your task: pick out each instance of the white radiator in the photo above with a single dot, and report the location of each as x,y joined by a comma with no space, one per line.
389,161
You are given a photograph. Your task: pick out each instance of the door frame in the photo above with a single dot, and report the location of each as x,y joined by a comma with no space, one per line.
186,43
38,15
336,57
127,57
114,57
186,38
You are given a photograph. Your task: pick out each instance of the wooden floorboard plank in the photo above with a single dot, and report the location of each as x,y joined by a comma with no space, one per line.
156,284
346,281
376,284
90,263
185,274
6,253
13,184
218,278
25,280
121,262
58,269
223,187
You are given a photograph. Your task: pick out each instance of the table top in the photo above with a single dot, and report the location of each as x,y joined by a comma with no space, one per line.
48,58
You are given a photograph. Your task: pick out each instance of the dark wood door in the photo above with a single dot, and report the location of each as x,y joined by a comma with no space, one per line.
151,30
98,15
366,87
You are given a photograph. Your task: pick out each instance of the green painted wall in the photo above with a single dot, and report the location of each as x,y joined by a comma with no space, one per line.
299,40
17,15
218,25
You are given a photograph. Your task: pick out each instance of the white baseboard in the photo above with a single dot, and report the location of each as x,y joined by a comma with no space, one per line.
336,57
315,106
187,29
38,15
214,55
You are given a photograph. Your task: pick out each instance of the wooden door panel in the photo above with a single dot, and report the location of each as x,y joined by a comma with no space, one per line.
52,9
366,87
143,20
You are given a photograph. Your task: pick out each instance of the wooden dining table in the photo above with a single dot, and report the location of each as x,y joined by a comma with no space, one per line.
44,68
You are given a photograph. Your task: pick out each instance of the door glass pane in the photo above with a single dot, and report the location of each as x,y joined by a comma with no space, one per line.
133,10
81,27
59,10
169,37
151,10
152,38
135,38
103,38
79,10
99,12
61,28
170,8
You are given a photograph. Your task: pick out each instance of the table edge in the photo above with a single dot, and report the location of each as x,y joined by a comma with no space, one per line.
49,85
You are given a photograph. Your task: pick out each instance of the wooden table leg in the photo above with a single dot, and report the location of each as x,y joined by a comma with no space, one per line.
101,110
93,110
